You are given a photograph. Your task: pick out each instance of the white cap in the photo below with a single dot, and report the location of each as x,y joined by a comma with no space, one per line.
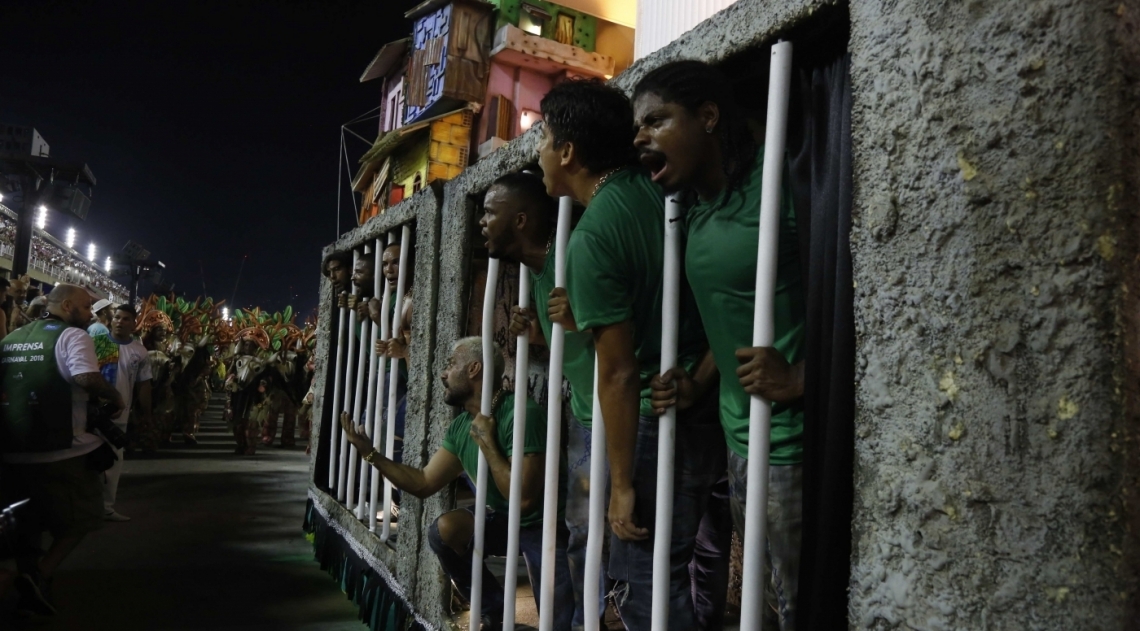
100,305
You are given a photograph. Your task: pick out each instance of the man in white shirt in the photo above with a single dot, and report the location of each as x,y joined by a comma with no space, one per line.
48,372
102,319
124,363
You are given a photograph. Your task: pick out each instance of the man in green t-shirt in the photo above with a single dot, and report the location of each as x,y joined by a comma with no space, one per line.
694,139
451,534
614,269
519,222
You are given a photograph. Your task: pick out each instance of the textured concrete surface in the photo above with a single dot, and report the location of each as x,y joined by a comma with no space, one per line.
215,542
990,236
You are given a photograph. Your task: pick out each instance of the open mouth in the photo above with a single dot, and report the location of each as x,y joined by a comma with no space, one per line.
655,162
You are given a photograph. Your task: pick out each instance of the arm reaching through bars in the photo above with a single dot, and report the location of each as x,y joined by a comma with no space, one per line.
441,469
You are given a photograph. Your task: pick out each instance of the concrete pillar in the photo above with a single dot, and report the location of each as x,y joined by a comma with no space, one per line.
995,250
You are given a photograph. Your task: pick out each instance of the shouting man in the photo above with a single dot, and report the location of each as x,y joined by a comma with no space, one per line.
695,139
614,264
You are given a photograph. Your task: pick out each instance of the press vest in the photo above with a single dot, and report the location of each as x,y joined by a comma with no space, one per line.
35,403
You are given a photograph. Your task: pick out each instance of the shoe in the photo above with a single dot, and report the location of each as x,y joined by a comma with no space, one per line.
34,597
115,516
189,440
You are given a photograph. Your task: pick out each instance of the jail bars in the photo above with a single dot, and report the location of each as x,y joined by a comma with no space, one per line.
481,472
344,405
763,334
518,450
376,385
557,344
394,376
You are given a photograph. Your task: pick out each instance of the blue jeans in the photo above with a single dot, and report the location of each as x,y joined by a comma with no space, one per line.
458,567
785,531
699,464
578,516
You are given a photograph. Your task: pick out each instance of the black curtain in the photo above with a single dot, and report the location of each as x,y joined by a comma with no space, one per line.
819,151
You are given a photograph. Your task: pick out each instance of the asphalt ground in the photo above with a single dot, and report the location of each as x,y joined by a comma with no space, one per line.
214,542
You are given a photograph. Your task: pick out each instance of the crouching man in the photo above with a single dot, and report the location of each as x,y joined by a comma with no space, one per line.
451,536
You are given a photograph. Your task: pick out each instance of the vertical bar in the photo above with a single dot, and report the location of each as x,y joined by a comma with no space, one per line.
763,334
481,471
337,435
393,379
372,399
593,570
553,428
350,371
358,400
381,373
514,502
667,424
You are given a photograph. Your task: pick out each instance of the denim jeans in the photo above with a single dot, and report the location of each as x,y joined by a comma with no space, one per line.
785,522
458,567
699,463
578,516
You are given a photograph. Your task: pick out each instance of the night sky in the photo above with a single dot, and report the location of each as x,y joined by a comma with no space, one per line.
213,128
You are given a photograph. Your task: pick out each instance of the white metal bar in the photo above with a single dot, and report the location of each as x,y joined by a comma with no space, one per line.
557,343
337,435
381,373
394,377
350,372
481,472
593,569
358,400
370,406
763,334
667,424
514,502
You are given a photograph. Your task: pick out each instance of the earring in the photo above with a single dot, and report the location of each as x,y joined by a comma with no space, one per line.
708,130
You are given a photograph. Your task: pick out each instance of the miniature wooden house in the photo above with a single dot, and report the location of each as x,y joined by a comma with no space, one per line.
449,56
408,158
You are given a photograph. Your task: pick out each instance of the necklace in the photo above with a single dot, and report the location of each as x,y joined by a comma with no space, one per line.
602,180
549,242
495,400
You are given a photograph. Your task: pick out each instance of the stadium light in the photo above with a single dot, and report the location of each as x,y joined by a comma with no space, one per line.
225,313
71,238
41,218
108,265
91,252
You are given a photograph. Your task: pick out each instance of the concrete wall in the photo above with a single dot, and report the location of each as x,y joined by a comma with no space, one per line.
997,164
990,233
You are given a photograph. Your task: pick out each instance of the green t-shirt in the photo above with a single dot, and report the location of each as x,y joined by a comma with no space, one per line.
459,442
720,261
578,355
614,272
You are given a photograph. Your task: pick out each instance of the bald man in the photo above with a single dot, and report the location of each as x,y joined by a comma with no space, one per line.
49,371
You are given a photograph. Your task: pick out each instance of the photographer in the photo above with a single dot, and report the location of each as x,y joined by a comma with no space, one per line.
49,371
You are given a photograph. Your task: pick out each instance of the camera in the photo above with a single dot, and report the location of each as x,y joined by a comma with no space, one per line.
99,418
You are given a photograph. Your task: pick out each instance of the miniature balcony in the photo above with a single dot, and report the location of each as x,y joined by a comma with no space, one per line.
515,47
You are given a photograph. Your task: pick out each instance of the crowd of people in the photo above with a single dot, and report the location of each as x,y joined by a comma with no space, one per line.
67,266
681,133
86,382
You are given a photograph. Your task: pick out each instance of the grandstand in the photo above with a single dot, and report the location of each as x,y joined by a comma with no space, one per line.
52,262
